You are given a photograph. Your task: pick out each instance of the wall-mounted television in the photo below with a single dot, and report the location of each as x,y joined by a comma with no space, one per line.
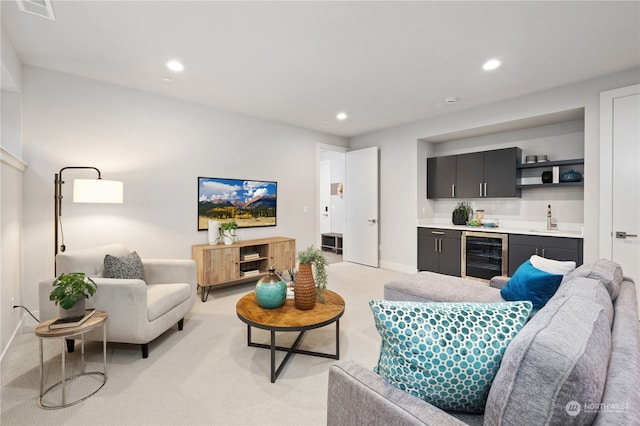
250,203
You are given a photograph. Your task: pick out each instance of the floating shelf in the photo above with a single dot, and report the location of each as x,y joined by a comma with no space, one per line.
553,185
544,164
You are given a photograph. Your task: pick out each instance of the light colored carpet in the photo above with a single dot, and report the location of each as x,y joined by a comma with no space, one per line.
205,374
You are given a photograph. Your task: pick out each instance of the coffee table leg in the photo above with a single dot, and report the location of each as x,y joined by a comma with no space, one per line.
273,356
338,339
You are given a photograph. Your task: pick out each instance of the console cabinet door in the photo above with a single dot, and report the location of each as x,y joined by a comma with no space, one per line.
441,177
220,265
283,255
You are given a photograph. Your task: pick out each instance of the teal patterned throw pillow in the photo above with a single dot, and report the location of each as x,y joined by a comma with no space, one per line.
446,353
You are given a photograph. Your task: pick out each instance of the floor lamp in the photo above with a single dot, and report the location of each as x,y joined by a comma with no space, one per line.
84,191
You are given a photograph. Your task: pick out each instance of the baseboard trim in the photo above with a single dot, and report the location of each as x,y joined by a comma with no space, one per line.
407,269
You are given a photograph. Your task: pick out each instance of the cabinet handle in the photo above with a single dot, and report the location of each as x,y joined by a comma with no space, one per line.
438,232
481,189
440,245
435,245
536,251
485,189
453,190
542,252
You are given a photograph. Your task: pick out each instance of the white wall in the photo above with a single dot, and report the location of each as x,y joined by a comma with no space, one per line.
158,147
403,159
12,169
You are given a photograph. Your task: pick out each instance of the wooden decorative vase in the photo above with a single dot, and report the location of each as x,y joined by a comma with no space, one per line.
305,288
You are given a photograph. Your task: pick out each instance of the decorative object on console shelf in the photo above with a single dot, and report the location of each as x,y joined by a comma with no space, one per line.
84,191
70,291
228,232
271,290
462,213
213,232
310,285
249,203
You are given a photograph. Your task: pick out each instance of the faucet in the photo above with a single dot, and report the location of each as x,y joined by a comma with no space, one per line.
549,224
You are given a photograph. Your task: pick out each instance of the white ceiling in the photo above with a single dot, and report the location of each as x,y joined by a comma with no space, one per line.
300,63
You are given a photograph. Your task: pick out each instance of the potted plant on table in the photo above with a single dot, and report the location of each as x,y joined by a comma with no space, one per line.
70,292
311,280
228,232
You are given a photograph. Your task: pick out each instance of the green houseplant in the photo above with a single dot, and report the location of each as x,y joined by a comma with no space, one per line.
228,231
311,280
70,291
462,213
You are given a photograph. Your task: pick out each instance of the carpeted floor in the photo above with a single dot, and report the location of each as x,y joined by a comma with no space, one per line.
205,374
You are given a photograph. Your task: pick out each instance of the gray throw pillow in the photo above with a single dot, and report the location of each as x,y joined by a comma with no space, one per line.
604,270
128,266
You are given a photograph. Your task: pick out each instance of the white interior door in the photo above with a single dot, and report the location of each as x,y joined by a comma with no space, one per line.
325,197
626,184
620,179
361,207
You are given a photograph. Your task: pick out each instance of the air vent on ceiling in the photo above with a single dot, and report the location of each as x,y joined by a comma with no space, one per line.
42,8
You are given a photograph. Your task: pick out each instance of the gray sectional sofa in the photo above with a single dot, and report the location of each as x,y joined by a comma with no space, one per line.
575,362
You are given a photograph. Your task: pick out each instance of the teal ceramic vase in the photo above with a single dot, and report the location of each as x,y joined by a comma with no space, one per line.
271,290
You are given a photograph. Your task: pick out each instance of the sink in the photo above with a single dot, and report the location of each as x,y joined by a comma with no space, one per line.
544,231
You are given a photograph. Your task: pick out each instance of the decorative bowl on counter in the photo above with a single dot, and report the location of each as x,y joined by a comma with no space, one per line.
490,223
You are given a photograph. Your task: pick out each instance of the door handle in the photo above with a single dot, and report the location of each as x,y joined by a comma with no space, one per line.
622,234
372,221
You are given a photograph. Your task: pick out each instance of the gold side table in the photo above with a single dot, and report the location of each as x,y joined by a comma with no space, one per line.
98,319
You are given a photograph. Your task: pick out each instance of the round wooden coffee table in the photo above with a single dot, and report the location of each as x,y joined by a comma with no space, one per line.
289,319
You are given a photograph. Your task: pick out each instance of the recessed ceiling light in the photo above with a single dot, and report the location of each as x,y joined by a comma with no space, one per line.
175,66
491,64
341,116
450,100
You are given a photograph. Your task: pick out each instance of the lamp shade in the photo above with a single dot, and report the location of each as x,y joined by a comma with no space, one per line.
97,191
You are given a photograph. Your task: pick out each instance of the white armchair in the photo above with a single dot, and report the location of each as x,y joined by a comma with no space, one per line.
139,311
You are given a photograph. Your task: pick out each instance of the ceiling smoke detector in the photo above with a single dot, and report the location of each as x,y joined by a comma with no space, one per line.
450,100
42,8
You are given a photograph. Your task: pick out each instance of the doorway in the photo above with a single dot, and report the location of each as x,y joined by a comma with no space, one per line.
331,214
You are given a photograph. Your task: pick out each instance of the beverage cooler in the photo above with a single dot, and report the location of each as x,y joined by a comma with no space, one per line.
484,254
